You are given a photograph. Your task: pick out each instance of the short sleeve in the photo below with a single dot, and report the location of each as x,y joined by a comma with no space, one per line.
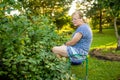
82,30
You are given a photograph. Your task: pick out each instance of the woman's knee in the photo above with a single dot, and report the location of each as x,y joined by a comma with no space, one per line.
54,49
57,49
60,50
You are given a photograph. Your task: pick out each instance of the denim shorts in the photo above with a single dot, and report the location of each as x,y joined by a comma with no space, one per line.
76,56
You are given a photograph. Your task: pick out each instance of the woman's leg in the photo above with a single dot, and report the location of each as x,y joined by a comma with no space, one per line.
60,51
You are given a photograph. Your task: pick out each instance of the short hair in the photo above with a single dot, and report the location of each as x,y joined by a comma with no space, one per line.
79,13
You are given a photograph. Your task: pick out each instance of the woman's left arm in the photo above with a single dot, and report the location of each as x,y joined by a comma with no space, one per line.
74,40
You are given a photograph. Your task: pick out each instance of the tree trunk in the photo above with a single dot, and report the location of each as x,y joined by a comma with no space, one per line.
118,45
100,24
117,35
100,10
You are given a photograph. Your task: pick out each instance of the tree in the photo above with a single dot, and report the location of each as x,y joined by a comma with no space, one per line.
7,6
96,12
45,7
114,10
55,9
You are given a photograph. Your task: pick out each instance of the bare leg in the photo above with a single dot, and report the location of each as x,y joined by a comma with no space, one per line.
60,51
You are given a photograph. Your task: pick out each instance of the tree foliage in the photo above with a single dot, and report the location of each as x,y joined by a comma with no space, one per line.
114,10
46,7
25,46
25,49
55,9
111,10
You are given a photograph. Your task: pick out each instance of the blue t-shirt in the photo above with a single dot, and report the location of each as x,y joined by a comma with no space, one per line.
85,42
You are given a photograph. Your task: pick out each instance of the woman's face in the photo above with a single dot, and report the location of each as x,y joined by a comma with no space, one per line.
76,20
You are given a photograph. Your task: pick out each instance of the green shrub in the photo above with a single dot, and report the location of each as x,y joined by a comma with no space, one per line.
25,49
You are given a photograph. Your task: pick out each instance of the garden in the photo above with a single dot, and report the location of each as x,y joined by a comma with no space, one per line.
26,41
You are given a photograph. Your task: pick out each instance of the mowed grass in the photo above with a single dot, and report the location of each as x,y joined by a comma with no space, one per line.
107,39
100,69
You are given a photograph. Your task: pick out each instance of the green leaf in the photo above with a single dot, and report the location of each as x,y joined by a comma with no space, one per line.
2,5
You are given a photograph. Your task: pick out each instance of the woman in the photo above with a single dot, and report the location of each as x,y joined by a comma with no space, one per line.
81,39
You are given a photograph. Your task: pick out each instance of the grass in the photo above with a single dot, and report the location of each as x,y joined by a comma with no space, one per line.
106,39
101,69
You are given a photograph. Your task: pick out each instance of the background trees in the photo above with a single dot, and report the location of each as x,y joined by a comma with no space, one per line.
114,11
104,12
46,7
55,9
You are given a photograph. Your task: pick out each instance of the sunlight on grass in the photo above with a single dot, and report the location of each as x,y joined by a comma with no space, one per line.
105,46
107,39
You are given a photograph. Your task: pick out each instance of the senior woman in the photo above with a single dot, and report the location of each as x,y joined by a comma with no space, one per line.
80,41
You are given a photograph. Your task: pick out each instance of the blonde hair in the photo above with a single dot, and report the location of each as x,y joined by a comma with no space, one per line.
80,15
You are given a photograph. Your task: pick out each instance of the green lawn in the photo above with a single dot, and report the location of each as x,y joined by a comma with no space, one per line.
101,69
106,39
